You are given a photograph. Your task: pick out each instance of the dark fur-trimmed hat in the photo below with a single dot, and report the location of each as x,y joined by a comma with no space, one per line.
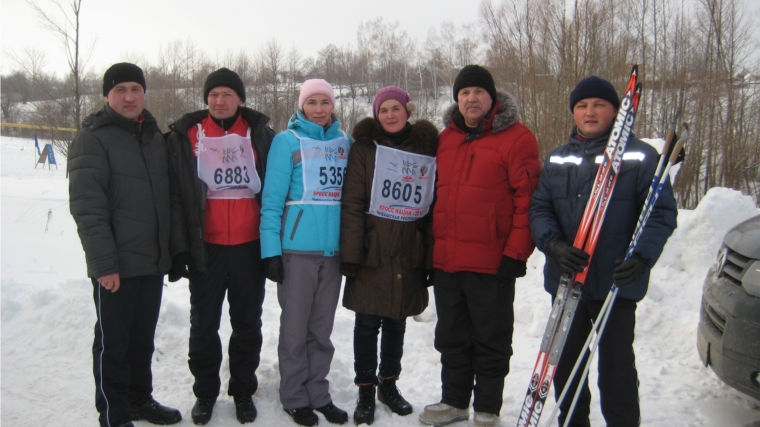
120,73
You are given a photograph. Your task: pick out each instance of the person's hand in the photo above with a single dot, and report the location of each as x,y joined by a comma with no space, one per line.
182,266
273,269
110,281
628,271
511,268
569,258
349,269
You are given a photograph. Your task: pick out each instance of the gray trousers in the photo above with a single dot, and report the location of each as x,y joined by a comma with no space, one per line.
308,297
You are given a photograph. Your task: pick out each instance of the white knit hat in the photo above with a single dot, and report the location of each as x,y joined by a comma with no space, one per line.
315,87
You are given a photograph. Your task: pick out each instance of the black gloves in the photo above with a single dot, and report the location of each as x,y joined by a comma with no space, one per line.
182,266
569,258
511,268
349,269
273,269
628,271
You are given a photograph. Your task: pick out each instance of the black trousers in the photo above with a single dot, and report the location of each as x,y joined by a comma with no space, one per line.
237,272
366,329
618,379
123,345
474,337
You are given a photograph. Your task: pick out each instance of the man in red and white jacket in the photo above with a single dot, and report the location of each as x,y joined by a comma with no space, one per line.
217,166
488,167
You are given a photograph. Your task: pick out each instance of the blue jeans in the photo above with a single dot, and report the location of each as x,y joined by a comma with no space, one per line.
366,329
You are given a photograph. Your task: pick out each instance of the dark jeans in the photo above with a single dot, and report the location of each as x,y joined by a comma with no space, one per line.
474,337
123,345
236,271
366,328
618,380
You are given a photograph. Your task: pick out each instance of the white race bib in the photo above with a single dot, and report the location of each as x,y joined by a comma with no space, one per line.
226,164
403,186
323,164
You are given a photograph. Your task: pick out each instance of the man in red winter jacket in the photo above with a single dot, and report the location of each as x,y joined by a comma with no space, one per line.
488,167
218,161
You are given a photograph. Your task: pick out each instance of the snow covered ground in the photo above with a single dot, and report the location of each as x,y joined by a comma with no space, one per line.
48,319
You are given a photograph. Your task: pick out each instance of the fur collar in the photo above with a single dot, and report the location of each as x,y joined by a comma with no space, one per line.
504,118
369,130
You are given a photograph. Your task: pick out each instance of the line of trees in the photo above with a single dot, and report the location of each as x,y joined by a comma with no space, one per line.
699,61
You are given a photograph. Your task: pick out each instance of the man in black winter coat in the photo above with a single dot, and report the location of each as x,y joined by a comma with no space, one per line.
119,198
555,213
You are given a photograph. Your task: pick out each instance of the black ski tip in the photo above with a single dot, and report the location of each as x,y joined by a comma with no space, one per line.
635,69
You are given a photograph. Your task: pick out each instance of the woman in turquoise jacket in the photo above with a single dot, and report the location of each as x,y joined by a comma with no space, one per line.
300,240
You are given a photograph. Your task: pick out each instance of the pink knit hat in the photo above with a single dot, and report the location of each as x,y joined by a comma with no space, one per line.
393,92
315,87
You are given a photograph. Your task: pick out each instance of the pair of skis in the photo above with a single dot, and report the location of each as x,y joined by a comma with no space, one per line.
569,292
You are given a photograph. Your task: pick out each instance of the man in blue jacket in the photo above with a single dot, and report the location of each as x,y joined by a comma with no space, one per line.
556,209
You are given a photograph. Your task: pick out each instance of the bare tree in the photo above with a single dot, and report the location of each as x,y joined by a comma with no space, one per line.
272,60
67,29
54,107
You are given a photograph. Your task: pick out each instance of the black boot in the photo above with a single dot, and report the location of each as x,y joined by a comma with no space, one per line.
202,410
333,414
155,413
365,405
388,393
245,410
303,416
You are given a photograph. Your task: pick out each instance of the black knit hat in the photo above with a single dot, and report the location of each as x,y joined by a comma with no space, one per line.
224,77
120,73
474,75
594,87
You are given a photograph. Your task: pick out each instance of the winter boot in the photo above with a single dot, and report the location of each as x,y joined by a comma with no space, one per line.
155,413
388,393
333,414
484,419
365,405
202,410
245,410
303,416
439,414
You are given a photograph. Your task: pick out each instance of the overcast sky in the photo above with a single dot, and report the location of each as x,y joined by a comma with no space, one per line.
124,28
129,28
